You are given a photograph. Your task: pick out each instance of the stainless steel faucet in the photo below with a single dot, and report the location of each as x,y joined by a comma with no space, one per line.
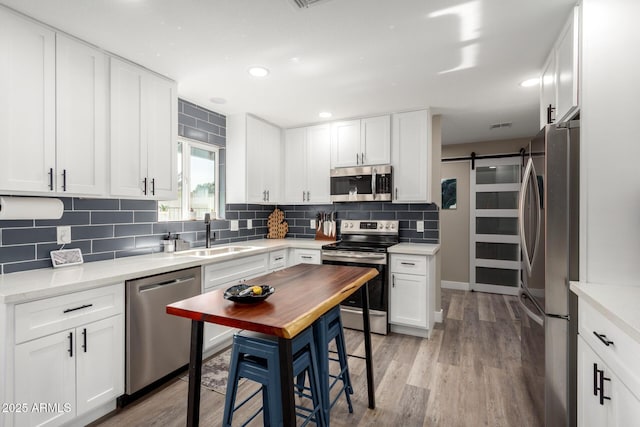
207,225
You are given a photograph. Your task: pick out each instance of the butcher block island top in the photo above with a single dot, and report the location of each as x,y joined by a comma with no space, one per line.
302,294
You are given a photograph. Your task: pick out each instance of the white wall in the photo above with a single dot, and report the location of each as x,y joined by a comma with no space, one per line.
610,142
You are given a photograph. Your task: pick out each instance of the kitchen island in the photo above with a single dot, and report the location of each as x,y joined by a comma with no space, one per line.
303,293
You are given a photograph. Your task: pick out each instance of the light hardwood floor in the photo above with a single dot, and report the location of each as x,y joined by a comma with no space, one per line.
467,374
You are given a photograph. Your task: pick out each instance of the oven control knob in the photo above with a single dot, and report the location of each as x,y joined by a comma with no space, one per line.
388,226
380,226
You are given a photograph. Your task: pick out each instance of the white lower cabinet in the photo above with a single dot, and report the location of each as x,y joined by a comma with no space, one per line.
222,276
608,372
412,294
66,374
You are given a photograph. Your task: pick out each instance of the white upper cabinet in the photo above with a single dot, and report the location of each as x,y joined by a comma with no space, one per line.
307,165
559,85
81,117
411,156
143,133
360,142
27,105
253,160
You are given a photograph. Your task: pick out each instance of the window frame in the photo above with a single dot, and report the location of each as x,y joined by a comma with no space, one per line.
185,203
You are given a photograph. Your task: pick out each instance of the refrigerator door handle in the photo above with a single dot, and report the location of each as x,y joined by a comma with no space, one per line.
529,172
536,318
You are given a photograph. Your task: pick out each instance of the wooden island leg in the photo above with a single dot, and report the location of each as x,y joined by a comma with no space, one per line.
286,382
367,345
195,374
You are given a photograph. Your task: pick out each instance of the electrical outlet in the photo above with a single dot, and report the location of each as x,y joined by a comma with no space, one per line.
234,224
249,224
312,224
64,235
420,226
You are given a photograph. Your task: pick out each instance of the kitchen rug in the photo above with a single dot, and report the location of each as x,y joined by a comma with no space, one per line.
215,371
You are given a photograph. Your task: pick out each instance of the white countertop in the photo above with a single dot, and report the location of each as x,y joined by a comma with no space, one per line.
48,282
620,304
414,249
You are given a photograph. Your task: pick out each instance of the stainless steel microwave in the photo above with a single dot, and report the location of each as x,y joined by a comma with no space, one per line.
362,183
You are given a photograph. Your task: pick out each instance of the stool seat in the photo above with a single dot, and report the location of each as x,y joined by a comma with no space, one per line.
256,357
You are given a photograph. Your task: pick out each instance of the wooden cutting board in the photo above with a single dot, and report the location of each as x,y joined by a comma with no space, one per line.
278,227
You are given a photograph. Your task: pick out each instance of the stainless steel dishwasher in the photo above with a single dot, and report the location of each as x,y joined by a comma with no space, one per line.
156,342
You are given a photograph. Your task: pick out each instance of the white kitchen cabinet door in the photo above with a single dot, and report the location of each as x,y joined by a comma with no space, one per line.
128,138
161,127
143,133
408,300
410,157
318,164
271,171
295,170
345,143
100,363
256,191
567,69
375,137
548,91
27,105
305,256
590,412
625,405
81,117
45,373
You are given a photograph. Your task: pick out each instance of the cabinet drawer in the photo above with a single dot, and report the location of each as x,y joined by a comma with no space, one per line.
230,271
43,317
278,259
622,352
408,264
306,256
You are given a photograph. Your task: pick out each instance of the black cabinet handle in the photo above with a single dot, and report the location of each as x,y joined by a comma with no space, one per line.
64,180
78,308
51,179
153,186
144,181
602,380
408,263
393,280
84,339
70,350
595,379
603,338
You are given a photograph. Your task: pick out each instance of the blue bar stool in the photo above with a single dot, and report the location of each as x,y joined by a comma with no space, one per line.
255,356
328,329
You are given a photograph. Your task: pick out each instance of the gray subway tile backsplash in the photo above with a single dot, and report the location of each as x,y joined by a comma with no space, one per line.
105,229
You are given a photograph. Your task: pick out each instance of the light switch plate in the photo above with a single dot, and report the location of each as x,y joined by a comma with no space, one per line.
234,224
249,224
420,226
64,235
312,224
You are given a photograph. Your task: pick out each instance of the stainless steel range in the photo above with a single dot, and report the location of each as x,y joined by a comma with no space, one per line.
364,244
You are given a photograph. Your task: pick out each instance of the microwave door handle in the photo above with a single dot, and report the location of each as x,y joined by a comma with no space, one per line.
521,202
373,183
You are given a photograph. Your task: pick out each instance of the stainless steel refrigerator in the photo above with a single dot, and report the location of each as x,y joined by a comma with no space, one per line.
549,224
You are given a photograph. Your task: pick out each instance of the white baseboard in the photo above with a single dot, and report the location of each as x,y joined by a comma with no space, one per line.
438,316
460,286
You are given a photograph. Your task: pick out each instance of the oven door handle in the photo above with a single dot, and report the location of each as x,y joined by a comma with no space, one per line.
372,313
342,256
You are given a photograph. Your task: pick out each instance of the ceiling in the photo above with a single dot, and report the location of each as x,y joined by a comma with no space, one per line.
462,58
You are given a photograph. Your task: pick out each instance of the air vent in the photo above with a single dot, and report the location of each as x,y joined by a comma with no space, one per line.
500,125
306,3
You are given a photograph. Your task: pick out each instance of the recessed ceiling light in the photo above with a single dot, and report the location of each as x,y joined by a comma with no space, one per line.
217,100
325,115
257,71
531,82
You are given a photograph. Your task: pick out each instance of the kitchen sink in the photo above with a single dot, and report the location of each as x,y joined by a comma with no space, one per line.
211,252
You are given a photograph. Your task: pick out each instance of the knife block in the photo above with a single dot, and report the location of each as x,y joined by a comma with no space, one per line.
321,236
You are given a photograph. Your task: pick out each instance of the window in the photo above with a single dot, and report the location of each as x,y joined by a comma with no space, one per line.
198,174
